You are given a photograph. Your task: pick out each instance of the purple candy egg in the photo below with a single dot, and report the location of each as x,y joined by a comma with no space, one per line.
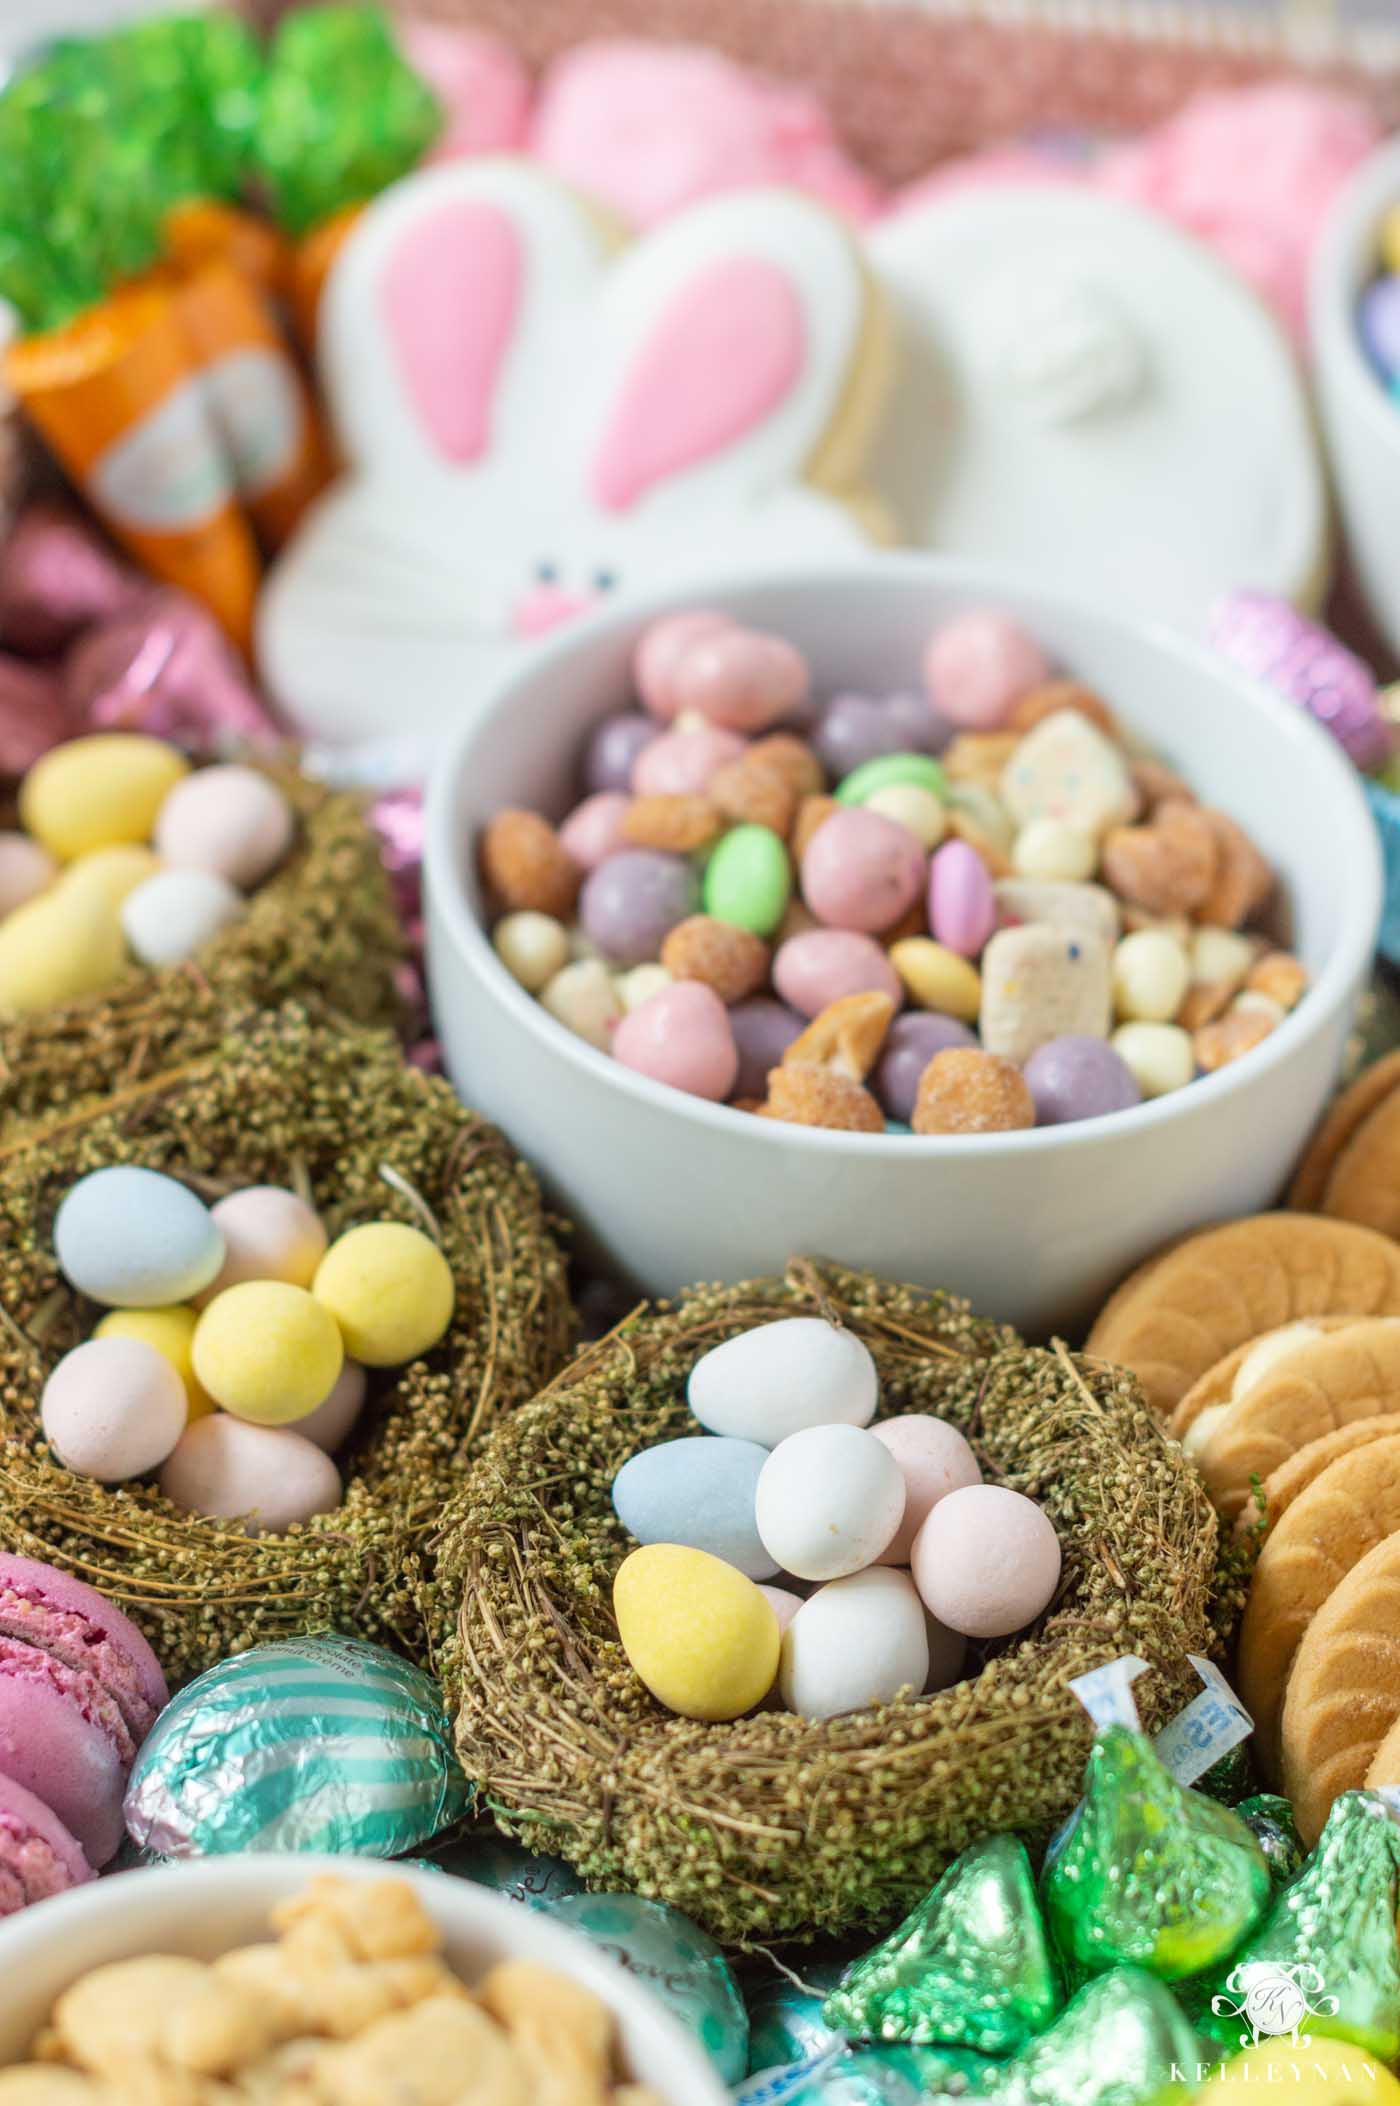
1078,1078
615,744
854,729
630,904
1378,321
763,1030
912,1041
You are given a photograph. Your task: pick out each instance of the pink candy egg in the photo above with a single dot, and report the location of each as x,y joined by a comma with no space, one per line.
681,1036
783,1603
962,901
269,1234
229,820
662,647
113,1409
935,1460
26,870
593,830
739,678
986,1561
822,965
328,1425
680,763
979,665
861,870
264,1476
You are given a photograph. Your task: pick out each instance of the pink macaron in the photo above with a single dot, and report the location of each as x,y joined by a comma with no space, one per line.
79,1691
38,1857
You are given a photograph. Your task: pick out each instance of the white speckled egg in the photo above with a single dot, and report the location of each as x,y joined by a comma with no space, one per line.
113,1409
174,914
856,1642
267,1477
135,1239
229,820
330,1423
829,1500
987,1561
26,869
779,1378
269,1234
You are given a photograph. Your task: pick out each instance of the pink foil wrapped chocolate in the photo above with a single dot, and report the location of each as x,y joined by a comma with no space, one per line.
56,578
33,714
1305,663
164,666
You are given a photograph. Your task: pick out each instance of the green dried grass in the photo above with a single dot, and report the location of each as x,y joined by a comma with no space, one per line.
776,1827
333,1111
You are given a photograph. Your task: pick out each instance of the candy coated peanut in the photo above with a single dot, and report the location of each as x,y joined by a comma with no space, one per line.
854,729
1078,1078
630,904
978,666
861,871
662,647
681,1036
98,792
738,678
937,978
641,983
593,830
962,905
1151,973
748,879
821,965
389,1288
267,1352
532,947
582,998
680,763
910,1044
613,749
972,1092
763,1030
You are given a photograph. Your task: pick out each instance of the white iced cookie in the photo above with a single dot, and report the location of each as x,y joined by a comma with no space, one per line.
1090,394
533,418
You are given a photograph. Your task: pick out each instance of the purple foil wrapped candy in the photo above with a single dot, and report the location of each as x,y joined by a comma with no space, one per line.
397,818
164,666
32,714
1305,663
56,579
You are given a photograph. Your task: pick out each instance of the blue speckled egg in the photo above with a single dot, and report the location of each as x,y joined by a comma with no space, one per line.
136,1240
696,1491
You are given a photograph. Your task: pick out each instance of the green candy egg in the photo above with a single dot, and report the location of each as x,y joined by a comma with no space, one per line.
748,879
890,768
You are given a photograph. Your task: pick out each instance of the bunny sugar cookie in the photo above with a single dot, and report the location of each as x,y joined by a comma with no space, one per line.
533,418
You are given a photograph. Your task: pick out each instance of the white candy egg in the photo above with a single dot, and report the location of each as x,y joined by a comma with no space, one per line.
267,1477
113,1409
779,1378
230,820
829,1500
855,1643
173,915
269,1234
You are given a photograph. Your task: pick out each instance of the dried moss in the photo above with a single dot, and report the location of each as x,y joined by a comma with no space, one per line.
322,929
777,1827
333,1111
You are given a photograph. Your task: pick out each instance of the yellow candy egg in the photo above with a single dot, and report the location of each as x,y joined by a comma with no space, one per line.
698,1633
267,1352
98,792
113,871
58,948
171,1331
1390,239
1324,2073
390,1290
937,978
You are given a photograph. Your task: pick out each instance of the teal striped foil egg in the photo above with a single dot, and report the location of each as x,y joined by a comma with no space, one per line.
311,1744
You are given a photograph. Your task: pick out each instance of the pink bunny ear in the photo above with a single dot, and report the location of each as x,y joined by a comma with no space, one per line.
723,356
449,298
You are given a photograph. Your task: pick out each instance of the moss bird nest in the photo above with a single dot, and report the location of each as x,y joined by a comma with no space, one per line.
332,1111
322,928
776,1826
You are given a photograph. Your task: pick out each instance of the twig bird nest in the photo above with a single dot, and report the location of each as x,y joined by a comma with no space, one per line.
332,1111
775,1826
322,928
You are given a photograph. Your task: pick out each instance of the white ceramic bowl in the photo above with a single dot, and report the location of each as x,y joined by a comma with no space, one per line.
1361,424
1034,1227
204,1909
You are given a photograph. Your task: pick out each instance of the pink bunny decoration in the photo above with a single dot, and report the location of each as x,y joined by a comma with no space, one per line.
532,417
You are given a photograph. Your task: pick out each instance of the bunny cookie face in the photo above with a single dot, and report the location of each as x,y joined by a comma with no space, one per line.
1089,393
533,418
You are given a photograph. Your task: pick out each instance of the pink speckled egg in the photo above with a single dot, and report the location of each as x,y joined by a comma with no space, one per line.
862,871
663,645
962,900
979,665
680,763
593,830
231,821
26,870
986,1561
681,1035
113,1409
739,678
935,1460
822,965
269,1234
264,1476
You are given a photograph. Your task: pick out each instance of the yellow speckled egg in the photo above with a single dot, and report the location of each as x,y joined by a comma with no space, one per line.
267,1352
701,1636
98,792
390,1290
58,948
171,1331
1324,2073
113,871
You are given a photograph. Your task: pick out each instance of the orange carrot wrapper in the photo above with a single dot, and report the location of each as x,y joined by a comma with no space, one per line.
311,266
117,396
205,230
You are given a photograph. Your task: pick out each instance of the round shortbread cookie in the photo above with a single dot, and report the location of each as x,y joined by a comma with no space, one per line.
1176,1316
1365,1182
1227,1381
1370,1088
1384,1772
1291,1479
1344,1692
1346,1512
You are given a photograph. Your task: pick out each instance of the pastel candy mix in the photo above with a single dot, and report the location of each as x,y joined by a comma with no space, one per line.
970,907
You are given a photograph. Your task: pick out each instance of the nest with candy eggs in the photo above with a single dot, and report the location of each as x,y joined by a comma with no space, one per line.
774,1825
330,1112
320,926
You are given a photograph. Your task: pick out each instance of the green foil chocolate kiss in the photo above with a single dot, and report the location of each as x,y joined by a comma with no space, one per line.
1122,2041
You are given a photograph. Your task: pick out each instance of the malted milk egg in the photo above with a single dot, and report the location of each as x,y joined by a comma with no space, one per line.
854,1643
829,1500
781,1377
230,820
113,1409
698,1491
330,1423
264,1476
987,1561
171,1332
174,914
268,1352
135,1239
696,1631
269,1234
934,1459
57,948
111,872
26,868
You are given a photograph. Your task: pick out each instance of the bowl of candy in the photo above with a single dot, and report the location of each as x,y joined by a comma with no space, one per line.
901,912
